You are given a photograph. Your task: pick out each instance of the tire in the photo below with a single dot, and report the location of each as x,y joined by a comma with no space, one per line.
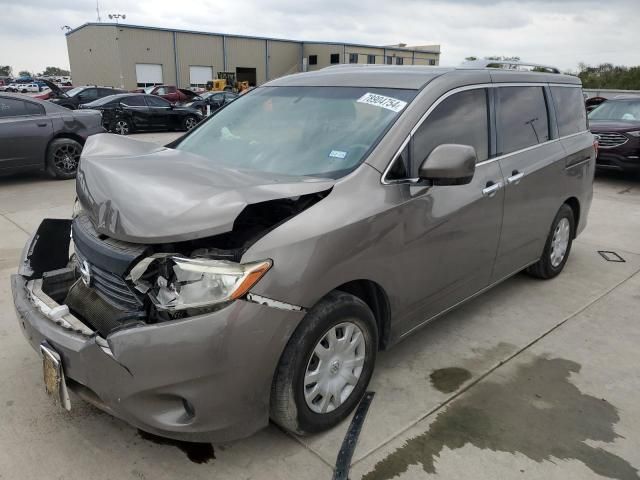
63,158
189,122
337,312
550,265
122,126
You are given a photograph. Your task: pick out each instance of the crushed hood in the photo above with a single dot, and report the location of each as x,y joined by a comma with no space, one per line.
140,192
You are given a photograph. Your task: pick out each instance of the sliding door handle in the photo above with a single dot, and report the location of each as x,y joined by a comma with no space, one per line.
515,178
491,189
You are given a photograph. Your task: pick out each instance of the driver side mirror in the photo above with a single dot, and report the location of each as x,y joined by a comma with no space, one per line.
449,164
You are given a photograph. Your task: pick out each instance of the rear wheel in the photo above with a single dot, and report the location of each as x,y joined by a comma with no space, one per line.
558,246
326,367
63,157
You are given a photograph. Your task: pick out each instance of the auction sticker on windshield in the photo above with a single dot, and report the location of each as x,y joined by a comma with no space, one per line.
383,101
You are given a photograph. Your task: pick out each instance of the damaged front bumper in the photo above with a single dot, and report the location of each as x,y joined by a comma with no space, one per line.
201,378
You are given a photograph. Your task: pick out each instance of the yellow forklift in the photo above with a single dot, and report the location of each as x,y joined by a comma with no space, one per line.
226,81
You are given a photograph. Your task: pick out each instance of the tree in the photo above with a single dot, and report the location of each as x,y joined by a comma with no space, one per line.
5,70
55,72
24,73
607,75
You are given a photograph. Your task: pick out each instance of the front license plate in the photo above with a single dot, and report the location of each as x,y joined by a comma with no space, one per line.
54,382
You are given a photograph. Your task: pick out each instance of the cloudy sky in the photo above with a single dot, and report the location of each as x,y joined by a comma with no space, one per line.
557,32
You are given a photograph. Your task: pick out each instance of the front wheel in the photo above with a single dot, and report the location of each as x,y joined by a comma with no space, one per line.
326,367
558,245
189,122
122,127
63,157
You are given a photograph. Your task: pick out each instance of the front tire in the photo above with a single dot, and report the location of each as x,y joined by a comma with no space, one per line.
189,122
122,127
326,366
558,245
63,158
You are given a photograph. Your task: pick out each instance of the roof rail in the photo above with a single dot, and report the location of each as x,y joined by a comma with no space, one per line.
509,65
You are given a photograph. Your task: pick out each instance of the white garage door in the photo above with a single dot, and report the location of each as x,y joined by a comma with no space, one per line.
199,76
148,74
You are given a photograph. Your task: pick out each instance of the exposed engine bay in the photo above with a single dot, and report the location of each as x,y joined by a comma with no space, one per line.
109,284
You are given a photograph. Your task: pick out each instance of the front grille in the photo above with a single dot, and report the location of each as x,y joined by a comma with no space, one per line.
611,139
110,287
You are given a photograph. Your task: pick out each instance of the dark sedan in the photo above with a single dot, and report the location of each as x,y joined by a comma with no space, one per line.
37,134
76,97
215,101
131,112
616,122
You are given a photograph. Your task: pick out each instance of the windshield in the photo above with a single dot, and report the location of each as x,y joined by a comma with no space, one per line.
317,131
149,89
625,110
73,92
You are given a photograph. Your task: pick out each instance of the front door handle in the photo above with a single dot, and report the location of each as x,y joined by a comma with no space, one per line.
42,124
515,178
491,189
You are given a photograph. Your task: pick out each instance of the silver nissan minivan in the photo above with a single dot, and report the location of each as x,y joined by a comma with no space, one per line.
253,268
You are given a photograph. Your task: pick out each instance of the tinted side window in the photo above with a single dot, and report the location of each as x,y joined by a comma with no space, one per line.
157,102
10,107
521,118
89,94
33,108
103,92
137,101
570,110
461,118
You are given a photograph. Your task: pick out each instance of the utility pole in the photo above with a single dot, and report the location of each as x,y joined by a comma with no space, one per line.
98,10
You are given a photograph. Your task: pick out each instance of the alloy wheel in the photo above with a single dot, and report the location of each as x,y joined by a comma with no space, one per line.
190,122
122,127
334,367
560,242
66,157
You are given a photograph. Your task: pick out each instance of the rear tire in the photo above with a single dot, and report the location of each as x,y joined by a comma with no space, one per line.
342,328
558,245
63,158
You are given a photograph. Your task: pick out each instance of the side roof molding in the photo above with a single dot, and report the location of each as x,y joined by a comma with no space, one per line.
510,65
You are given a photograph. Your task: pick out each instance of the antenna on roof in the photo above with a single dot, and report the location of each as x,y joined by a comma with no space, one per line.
510,65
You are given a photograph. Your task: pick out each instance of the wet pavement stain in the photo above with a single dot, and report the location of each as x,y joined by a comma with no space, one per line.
448,380
537,413
196,452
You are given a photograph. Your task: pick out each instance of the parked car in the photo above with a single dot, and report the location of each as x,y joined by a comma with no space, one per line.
48,93
215,101
129,112
616,123
75,97
35,134
253,268
169,92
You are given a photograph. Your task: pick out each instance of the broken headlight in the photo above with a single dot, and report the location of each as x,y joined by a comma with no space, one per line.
182,283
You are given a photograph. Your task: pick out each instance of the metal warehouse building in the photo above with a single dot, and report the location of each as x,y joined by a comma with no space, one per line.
131,56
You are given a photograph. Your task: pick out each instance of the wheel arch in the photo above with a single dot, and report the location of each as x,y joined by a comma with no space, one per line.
574,204
377,300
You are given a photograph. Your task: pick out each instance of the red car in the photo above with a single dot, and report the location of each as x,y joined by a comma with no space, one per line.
169,92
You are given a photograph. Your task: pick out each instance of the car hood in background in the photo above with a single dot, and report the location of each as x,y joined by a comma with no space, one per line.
188,93
613,126
140,192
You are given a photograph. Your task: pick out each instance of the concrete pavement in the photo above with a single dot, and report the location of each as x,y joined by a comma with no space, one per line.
533,379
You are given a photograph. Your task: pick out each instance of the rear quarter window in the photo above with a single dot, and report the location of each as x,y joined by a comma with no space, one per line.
571,112
522,118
